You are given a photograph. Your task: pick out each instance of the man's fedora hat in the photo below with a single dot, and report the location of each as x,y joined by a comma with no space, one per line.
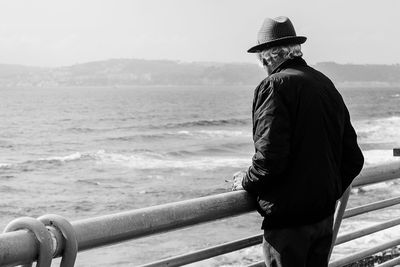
275,32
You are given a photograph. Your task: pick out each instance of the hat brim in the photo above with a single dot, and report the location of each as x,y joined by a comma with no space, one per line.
277,42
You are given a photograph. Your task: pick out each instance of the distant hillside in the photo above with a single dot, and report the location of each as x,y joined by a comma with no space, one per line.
125,72
341,73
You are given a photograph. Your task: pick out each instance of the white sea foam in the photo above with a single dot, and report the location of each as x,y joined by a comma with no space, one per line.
144,160
376,157
184,133
152,160
216,133
199,134
225,133
71,157
33,163
5,165
159,161
384,130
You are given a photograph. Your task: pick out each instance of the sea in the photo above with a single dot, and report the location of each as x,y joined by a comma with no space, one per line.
84,152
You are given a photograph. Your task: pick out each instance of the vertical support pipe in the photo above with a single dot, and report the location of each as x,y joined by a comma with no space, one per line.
341,207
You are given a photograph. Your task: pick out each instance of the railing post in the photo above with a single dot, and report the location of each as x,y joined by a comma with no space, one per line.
340,209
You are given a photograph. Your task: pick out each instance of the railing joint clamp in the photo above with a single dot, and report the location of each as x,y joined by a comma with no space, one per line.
42,236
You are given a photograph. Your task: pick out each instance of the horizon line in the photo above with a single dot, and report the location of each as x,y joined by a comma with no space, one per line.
181,62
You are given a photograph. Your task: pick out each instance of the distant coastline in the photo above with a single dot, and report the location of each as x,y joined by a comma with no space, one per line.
140,72
370,84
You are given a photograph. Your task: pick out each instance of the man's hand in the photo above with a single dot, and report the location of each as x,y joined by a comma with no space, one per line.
237,180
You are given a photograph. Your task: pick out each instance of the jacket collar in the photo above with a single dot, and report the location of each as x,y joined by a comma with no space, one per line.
290,62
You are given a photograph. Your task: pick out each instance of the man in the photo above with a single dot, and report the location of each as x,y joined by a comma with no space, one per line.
306,151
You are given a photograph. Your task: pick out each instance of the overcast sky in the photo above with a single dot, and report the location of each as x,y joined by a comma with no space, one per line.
56,33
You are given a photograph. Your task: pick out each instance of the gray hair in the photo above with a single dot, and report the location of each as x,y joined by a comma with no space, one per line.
277,54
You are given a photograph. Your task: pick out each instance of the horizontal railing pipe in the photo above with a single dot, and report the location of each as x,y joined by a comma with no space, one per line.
377,174
256,240
390,263
366,231
207,253
109,229
123,226
20,246
17,248
364,253
371,207
257,264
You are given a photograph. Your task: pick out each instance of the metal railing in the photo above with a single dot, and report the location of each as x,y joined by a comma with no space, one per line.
22,247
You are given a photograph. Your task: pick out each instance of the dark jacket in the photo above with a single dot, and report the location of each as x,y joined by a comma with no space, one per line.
306,151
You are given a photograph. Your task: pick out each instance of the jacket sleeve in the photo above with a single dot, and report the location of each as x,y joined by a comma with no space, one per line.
271,124
352,157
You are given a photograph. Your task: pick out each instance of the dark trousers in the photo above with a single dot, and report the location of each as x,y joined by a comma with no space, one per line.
302,246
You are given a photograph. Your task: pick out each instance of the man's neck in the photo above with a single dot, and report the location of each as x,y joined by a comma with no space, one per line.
271,67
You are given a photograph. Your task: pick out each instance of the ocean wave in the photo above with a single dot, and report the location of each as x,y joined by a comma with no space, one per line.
225,133
201,134
92,130
5,166
6,144
221,122
81,129
383,130
172,125
208,158
30,165
145,162
152,160
71,157
181,153
222,149
138,160
149,136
